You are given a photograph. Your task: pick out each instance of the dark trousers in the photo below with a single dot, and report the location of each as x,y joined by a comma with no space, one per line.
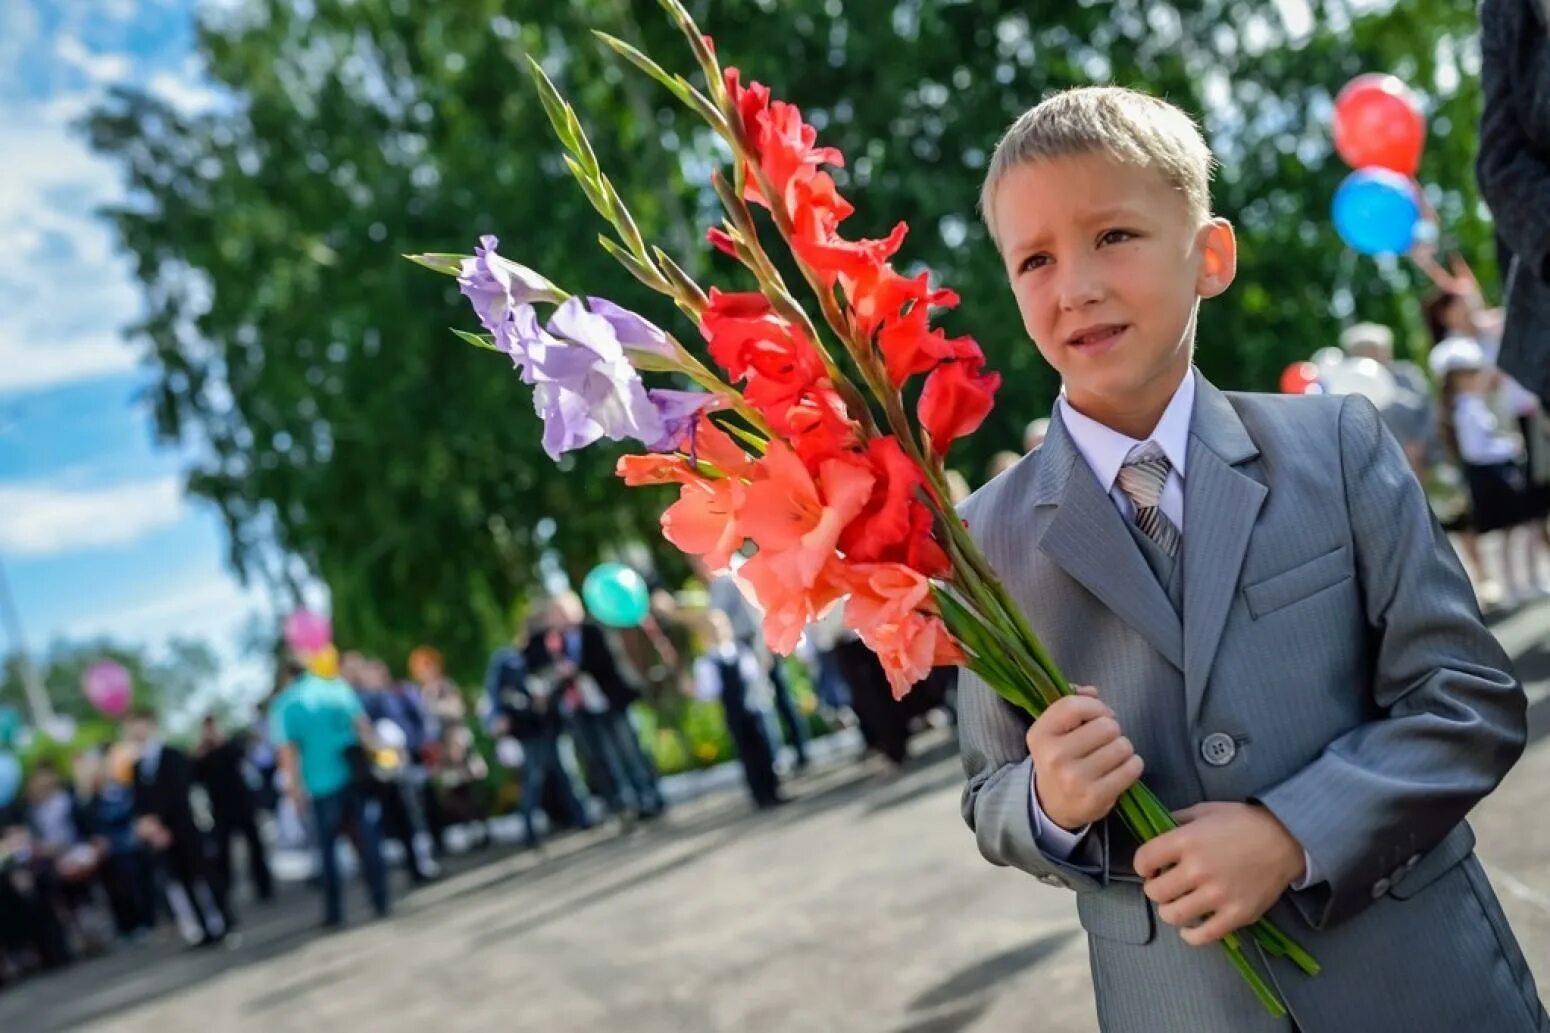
611,745
28,918
185,863
332,814
541,765
884,721
753,749
791,722
244,823
400,811
131,885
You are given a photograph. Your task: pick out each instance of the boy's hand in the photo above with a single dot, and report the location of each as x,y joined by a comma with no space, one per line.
1081,761
1220,870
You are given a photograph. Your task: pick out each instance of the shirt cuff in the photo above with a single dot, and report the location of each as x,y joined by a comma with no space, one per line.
1310,874
1049,837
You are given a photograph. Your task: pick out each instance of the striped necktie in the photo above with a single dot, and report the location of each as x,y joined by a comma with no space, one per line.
1142,479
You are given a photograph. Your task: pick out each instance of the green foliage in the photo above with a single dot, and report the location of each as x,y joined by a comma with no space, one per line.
164,683
346,433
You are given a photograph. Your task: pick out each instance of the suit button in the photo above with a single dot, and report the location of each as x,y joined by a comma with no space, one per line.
1218,749
1050,880
1380,887
1415,859
1397,874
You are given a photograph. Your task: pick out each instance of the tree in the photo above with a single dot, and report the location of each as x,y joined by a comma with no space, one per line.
345,434
166,683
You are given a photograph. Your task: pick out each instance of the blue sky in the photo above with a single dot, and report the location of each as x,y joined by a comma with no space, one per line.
95,533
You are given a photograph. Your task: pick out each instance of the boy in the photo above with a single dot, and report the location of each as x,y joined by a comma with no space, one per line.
1270,615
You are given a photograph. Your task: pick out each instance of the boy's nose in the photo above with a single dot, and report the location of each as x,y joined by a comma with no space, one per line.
1079,287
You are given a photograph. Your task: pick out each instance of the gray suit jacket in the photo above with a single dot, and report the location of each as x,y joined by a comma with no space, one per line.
1514,170
1330,663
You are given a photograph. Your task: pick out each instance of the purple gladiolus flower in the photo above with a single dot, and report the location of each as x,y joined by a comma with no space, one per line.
631,330
498,286
583,386
678,411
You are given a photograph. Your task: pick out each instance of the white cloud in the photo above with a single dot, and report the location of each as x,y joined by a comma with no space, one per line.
99,67
44,365
38,519
184,91
65,292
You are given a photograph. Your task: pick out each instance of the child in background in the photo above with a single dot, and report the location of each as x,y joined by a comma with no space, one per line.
1491,458
732,673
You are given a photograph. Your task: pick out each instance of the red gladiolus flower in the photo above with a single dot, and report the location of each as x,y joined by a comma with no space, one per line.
955,400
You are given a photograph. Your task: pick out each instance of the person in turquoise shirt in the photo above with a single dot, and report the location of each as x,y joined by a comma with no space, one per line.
316,723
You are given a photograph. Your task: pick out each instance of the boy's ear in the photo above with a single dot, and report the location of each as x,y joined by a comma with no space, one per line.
1219,258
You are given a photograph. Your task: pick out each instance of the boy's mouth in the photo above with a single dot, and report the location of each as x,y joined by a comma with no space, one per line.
1096,338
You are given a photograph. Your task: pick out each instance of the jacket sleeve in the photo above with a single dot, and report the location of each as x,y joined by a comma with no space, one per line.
1514,168
1449,716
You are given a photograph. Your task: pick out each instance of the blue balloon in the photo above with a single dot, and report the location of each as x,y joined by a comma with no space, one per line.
616,595
10,778
1376,212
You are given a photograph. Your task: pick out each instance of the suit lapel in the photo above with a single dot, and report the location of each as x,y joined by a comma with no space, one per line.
1086,536
1221,503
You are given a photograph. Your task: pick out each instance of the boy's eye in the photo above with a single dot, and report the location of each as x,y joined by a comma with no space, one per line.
1115,237
1032,262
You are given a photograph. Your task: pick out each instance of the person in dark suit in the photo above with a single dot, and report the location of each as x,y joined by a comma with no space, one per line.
524,708
575,657
1514,171
164,820
219,767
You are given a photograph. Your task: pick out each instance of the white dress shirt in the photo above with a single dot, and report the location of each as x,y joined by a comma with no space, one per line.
1481,439
1105,450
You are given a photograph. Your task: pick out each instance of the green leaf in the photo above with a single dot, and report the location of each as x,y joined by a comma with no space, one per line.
440,262
484,341
638,269
675,84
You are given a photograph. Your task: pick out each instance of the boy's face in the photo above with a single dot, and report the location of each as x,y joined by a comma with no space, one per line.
1107,263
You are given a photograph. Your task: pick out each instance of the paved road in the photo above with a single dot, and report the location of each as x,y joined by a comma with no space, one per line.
862,906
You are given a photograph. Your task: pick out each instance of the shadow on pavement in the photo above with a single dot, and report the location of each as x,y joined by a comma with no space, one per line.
987,973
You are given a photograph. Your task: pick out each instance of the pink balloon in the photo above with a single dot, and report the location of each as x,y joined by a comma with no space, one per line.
107,687
307,632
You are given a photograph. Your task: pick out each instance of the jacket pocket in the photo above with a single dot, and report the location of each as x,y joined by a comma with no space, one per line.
1279,591
1119,912
1442,858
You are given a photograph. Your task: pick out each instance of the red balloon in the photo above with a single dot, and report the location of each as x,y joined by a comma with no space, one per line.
1378,123
1298,377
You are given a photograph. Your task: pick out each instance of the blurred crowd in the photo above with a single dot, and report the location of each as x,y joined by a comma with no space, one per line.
355,768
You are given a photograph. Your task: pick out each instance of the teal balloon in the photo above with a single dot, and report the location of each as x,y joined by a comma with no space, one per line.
10,725
616,595
10,778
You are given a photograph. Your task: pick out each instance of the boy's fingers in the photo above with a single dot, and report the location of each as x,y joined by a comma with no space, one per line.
1071,713
1209,931
1108,758
1159,853
1192,909
1085,690
1169,886
1188,814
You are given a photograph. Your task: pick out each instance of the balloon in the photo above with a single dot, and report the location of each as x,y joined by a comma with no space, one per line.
323,662
10,726
10,778
1298,377
107,687
1378,124
1329,355
308,632
616,595
1362,377
1376,212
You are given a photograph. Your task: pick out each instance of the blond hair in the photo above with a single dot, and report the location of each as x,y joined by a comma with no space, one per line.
1126,125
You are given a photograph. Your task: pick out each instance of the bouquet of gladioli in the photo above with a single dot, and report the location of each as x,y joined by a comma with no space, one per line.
794,436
